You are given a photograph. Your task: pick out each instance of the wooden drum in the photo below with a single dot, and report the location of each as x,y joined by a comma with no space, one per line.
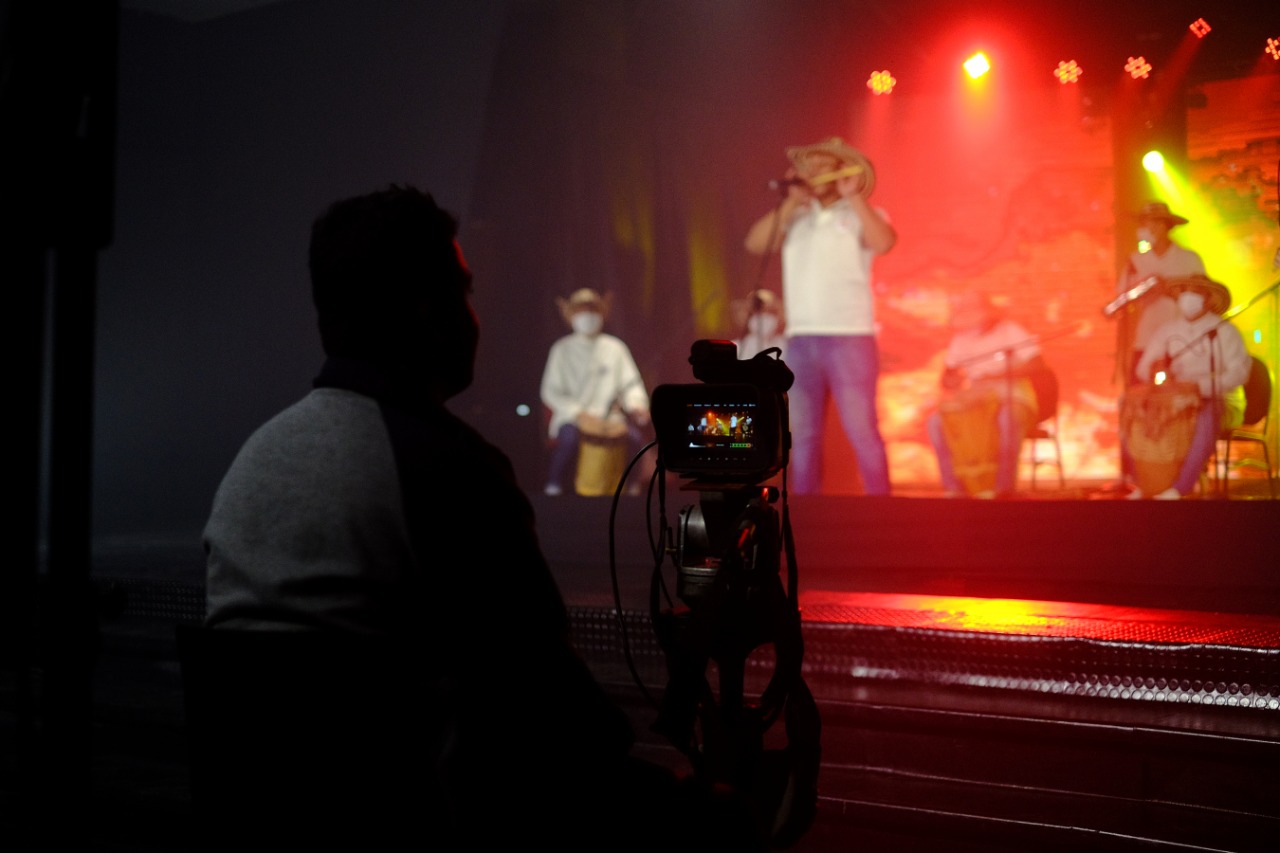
1157,423
969,427
602,455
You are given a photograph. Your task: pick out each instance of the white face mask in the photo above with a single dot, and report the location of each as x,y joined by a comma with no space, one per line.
1145,235
764,325
588,322
1190,303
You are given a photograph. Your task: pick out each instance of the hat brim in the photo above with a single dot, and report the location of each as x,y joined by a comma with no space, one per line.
1217,298
1172,218
846,154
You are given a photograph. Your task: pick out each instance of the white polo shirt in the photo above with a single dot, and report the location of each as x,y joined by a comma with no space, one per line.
826,273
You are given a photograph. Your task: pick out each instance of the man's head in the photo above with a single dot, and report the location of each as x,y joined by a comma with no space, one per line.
390,285
585,311
1198,295
972,312
819,162
1154,223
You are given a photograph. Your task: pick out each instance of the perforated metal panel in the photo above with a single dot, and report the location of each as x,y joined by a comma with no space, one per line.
1131,655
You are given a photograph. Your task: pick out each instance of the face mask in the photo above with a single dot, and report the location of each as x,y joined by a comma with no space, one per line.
587,322
1190,303
1145,235
764,325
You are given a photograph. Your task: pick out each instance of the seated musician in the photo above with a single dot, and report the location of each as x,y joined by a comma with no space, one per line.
761,324
1198,346
591,385
988,403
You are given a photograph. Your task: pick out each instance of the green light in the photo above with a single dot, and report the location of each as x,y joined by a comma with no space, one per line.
1153,161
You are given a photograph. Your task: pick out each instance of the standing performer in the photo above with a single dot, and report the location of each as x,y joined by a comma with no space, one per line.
1200,348
989,400
828,234
1164,259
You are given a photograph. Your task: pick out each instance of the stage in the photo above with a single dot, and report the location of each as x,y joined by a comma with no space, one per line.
1208,555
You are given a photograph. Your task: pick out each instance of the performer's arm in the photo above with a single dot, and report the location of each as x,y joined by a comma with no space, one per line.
1236,362
635,399
555,391
768,232
877,234
1154,351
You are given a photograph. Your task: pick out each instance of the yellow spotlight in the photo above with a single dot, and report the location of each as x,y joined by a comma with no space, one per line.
1153,161
977,65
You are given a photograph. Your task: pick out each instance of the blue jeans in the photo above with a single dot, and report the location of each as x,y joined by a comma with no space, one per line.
847,368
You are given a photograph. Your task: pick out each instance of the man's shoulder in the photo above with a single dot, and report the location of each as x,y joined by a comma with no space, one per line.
612,341
1186,261
321,407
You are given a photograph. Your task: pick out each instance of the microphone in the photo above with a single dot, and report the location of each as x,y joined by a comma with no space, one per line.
1138,290
785,184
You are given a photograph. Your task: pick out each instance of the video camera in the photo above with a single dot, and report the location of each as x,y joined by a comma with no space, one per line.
727,436
731,430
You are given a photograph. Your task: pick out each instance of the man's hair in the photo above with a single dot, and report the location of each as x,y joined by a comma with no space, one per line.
375,258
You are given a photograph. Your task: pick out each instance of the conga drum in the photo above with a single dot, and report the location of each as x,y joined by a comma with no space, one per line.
1157,423
969,427
602,455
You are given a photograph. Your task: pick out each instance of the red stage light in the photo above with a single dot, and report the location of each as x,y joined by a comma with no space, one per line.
1273,48
881,82
1138,68
1068,72
1200,27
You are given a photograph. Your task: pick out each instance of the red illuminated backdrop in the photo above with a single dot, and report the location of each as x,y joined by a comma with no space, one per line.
1018,200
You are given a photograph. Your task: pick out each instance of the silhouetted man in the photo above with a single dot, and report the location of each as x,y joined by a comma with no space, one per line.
368,508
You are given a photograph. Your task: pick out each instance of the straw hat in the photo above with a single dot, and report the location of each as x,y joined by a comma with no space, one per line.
846,154
1217,298
583,297
1159,211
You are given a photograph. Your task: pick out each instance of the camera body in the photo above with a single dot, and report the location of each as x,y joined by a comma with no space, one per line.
734,428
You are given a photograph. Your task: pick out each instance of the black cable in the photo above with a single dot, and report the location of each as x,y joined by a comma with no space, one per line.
613,575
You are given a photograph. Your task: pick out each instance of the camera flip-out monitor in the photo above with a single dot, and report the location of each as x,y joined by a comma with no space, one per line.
733,428
729,432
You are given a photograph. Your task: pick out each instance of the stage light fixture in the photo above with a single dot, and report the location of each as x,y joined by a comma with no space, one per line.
1068,72
1200,27
881,82
1153,161
1273,48
1138,68
977,65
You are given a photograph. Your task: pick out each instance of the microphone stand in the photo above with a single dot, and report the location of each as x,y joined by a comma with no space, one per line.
1213,403
757,310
